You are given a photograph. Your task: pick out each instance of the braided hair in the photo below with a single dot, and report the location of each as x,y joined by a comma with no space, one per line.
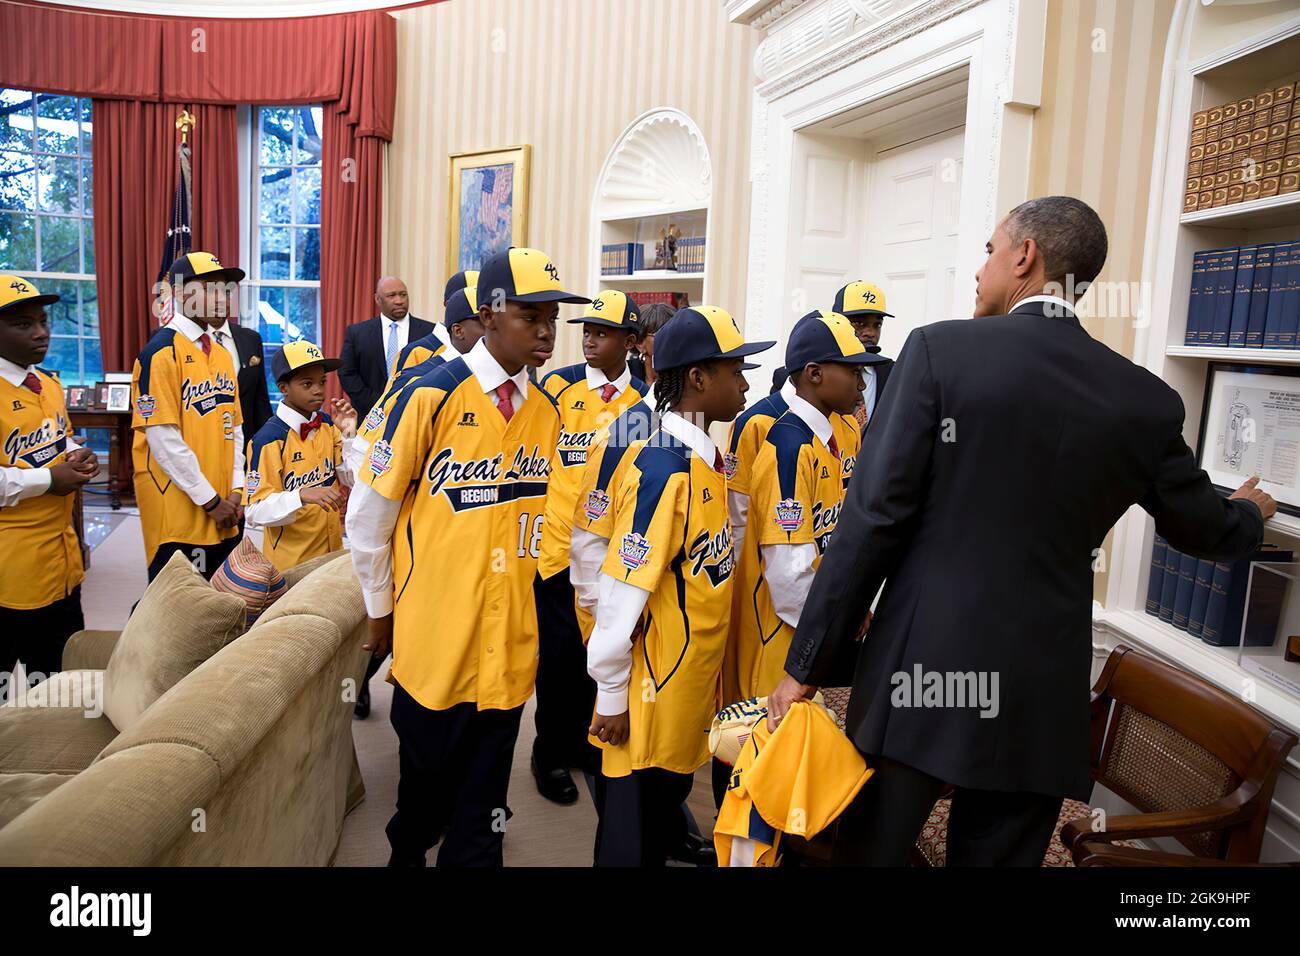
670,386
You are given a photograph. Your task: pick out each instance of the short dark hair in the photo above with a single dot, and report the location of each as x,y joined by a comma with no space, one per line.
654,317
1069,234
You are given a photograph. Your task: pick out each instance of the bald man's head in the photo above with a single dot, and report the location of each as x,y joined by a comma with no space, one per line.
390,296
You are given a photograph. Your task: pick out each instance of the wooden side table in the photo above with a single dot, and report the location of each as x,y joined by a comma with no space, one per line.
120,472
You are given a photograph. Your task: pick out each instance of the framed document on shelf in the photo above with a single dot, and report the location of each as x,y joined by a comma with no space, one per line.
1250,425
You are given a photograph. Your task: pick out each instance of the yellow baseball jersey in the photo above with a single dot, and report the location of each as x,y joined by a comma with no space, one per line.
797,779
42,558
372,425
472,489
584,416
746,436
796,491
422,349
672,538
280,460
174,383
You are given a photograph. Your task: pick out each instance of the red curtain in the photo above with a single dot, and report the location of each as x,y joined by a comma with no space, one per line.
130,64
135,180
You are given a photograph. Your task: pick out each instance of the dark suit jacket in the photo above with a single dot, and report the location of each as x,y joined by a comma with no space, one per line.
882,376
1005,449
254,398
364,373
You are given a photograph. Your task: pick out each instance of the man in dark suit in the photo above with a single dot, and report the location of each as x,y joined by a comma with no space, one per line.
370,348
1005,449
863,303
254,397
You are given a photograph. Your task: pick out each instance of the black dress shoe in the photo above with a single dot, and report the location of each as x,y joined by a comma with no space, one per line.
361,709
696,851
555,785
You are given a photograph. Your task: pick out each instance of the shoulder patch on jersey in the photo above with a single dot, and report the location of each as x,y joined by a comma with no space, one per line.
632,551
374,418
381,456
729,463
597,504
146,405
789,515
252,481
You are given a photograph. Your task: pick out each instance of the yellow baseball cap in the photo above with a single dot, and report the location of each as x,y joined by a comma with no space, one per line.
461,307
613,309
457,282
822,336
16,291
202,267
524,275
295,355
861,298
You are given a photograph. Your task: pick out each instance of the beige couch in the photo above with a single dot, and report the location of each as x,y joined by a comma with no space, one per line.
248,760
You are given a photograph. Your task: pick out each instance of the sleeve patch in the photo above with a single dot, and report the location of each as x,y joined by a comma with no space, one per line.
632,551
146,405
381,455
789,515
597,504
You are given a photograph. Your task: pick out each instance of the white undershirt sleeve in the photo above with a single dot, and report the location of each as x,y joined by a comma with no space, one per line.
788,569
371,519
237,476
609,652
274,510
738,512
179,462
354,454
17,484
586,555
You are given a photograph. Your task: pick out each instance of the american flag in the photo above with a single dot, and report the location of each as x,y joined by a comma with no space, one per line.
178,241
495,192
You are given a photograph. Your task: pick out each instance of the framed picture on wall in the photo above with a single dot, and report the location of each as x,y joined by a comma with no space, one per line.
1250,425
487,205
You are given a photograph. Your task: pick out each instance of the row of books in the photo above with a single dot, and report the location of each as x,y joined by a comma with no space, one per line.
690,254
621,258
678,300
1244,149
1245,297
1208,599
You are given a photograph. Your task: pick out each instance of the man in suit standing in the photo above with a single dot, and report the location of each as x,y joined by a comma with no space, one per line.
245,348
370,348
863,304
1004,451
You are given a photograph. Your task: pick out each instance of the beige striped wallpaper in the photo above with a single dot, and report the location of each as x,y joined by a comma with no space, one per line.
566,77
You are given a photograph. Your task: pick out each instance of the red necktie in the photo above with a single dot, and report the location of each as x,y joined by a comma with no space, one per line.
717,461
607,392
206,344
834,448
306,428
504,391
32,382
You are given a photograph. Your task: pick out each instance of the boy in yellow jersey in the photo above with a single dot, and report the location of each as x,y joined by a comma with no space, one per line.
460,306
40,468
464,330
796,488
296,463
445,526
670,557
188,449
589,396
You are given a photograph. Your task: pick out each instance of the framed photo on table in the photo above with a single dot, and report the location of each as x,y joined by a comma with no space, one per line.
99,398
78,398
1250,425
487,205
118,398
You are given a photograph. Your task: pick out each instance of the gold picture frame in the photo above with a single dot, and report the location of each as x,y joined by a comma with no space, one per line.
480,172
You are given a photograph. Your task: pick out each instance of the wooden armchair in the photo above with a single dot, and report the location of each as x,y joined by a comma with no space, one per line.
1199,763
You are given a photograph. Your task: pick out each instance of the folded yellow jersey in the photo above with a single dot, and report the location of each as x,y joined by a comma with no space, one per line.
797,779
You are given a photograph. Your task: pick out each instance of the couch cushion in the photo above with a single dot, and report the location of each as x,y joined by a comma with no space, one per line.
89,650
250,576
51,739
331,591
179,623
18,791
298,572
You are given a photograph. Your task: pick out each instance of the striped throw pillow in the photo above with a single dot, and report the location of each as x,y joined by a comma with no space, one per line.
250,575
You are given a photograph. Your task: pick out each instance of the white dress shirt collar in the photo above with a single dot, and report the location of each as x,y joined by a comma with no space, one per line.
489,372
597,378
1056,305
819,423
12,373
187,327
392,321
290,416
694,437
787,390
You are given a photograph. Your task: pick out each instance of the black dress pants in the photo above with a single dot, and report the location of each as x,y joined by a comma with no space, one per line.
206,558
37,637
566,694
641,816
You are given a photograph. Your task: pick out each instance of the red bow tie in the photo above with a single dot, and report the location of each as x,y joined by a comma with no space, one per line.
306,428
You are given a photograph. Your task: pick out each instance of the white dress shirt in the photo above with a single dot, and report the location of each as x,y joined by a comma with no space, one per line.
596,380
371,517
403,326
223,335
19,483
619,604
442,334
1059,305
869,389
281,507
177,459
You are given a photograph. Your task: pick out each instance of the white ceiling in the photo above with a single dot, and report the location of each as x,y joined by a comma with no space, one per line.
233,8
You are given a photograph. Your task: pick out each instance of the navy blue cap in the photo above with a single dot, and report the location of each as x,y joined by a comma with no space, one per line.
462,305
459,281
822,336
701,333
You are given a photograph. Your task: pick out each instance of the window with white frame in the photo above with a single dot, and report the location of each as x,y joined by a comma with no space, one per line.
284,225
47,220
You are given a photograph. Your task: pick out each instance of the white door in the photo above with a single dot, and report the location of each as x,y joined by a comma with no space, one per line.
911,215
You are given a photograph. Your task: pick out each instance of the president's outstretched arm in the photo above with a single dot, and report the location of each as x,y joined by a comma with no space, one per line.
884,497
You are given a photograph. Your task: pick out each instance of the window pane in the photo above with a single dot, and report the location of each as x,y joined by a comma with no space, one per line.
56,124
270,316
17,181
274,196
306,251
87,187
89,308
88,237
306,202
60,184
60,244
92,361
85,127
277,135
304,314
17,242
64,317
64,358
274,252
309,144
16,119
